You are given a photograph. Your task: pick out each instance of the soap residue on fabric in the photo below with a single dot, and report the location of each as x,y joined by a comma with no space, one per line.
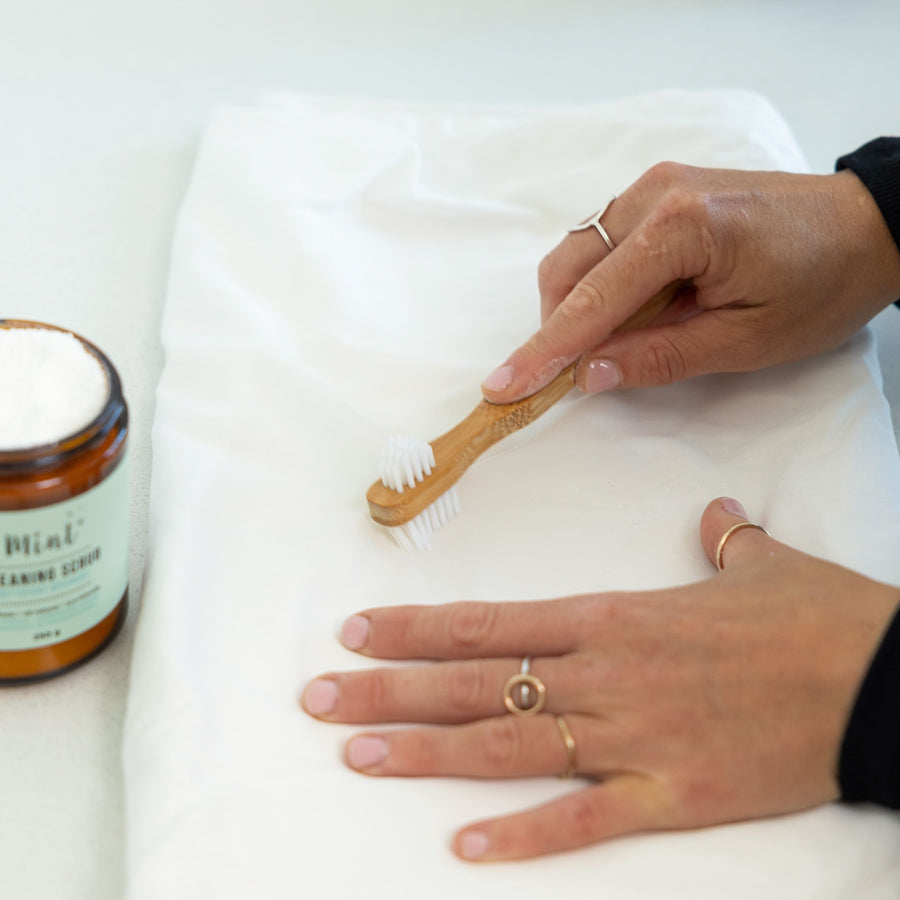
50,387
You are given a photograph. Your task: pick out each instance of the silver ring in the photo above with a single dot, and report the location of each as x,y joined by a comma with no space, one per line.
594,222
525,689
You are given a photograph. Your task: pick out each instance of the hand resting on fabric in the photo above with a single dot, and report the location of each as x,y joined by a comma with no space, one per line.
779,266
713,702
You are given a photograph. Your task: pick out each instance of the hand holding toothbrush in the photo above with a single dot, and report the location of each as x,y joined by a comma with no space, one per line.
691,271
778,266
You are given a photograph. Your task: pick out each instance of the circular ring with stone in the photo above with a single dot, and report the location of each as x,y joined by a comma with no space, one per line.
524,693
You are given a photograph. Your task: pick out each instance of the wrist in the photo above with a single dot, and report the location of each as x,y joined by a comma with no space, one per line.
874,252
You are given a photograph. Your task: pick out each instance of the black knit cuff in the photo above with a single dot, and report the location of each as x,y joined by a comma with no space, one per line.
870,755
877,165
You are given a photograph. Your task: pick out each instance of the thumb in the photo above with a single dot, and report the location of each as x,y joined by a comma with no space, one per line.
665,353
612,297
551,349
729,538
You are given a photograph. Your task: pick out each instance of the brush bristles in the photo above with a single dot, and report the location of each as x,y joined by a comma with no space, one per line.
416,533
404,462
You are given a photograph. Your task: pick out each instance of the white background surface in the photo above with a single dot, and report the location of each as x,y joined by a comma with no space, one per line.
101,106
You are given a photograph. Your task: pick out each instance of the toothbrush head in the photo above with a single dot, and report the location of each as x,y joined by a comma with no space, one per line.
406,463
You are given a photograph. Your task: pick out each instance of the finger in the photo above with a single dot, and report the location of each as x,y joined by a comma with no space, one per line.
437,693
466,630
605,298
746,544
450,692
622,805
575,256
500,747
696,343
675,240
598,304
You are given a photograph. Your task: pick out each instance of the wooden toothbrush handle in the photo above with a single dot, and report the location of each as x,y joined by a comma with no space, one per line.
488,423
652,308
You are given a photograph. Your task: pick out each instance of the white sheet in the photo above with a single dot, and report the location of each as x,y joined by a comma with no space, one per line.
347,270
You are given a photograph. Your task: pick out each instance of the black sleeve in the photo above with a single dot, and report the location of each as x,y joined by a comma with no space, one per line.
877,165
870,754
869,767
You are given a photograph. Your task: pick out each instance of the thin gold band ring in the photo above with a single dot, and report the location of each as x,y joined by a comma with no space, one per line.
725,538
571,753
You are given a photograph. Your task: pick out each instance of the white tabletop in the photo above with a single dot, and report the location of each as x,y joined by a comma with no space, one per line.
102,104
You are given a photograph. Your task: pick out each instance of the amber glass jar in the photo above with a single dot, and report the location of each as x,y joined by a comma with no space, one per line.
64,537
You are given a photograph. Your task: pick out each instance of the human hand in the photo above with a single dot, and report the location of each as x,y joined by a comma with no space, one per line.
778,267
713,702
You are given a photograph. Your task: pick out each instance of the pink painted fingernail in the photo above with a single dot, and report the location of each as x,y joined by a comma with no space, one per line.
473,844
601,375
320,697
730,505
365,752
355,632
499,380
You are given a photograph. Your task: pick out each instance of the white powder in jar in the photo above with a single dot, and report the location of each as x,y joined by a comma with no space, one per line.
50,387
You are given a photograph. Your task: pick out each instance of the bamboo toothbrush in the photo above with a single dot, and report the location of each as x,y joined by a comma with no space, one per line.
416,494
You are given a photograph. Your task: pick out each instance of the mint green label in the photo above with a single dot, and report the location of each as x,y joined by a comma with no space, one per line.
64,567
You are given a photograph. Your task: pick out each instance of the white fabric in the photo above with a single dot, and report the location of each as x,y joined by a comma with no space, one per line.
343,271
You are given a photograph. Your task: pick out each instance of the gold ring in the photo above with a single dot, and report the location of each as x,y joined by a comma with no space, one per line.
524,693
570,747
724,539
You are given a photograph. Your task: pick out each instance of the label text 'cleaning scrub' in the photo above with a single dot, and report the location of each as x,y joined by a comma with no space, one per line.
64,495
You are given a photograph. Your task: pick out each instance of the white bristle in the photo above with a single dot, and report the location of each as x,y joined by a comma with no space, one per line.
416,533
404,462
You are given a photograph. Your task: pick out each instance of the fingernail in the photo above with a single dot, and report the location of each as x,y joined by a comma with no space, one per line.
730,505
320,697
355,632
473,844
601,375
499,380
365,752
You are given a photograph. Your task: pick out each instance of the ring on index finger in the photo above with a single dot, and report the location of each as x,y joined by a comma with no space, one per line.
594,222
